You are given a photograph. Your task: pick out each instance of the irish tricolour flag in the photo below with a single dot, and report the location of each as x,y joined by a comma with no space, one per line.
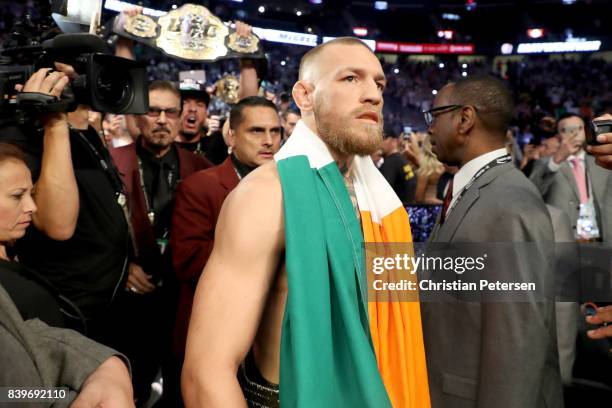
339,348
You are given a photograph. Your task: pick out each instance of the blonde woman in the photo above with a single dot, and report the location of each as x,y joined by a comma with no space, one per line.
428,174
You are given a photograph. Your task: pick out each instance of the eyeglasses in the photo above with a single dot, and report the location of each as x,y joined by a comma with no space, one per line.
430,115
171,113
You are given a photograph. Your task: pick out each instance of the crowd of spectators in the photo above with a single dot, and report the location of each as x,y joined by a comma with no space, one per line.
542,86
545,89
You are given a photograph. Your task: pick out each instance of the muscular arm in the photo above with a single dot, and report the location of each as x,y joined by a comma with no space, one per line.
57,194
232,292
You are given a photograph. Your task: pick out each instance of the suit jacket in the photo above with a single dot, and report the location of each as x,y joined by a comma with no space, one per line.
198,203
36,355
495,354
143,234
559,189
567,282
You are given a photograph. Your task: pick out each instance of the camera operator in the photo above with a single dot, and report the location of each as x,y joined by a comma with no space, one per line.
80,240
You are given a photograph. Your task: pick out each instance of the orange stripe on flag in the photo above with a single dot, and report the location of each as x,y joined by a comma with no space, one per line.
396,326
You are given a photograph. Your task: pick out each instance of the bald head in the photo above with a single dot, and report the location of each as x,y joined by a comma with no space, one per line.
312,61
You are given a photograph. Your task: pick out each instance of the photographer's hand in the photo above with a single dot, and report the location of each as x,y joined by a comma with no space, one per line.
49,82
56,191
603,317
603,152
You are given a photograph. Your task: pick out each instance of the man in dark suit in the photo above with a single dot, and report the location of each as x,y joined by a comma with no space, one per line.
500,353
570,181
254,137
151,168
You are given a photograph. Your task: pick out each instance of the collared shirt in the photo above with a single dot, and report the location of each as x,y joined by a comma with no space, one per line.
581,155
153,168
242,169
469,170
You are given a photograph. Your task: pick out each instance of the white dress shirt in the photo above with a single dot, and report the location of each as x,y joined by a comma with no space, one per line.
469,170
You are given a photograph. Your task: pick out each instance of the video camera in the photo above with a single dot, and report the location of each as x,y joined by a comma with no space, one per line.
105,83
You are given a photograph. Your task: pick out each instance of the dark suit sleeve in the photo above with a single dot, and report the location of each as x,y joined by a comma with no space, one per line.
193,229
541,175
517,337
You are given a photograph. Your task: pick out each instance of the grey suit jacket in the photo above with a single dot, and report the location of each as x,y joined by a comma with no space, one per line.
496,354
559,189
567,312
33,354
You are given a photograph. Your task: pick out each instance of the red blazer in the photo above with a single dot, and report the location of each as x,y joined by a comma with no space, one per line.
198,203
125,159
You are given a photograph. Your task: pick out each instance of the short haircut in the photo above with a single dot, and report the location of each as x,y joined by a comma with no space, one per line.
11,152
490,96
567,116
160,85
236,114
311,55
289,111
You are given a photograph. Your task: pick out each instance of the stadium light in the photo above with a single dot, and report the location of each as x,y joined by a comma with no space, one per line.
535,33
360,31
381,5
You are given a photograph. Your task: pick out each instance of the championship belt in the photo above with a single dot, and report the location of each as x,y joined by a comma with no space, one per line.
190,33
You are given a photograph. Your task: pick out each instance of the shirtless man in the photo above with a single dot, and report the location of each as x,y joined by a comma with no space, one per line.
240,300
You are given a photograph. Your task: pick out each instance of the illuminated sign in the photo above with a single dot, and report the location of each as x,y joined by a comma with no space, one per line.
119,6
569,46
286,37
411,48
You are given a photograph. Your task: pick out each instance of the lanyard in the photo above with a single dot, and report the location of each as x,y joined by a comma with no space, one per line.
149,207
493,163
108,169
116,182
198,149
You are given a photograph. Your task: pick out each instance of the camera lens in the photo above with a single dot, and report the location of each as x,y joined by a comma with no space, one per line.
111,88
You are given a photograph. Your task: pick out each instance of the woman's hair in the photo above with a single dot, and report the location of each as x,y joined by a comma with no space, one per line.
429,162
11,152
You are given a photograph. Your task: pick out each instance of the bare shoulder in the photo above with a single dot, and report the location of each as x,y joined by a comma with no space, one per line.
255,205
266,173
261,186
